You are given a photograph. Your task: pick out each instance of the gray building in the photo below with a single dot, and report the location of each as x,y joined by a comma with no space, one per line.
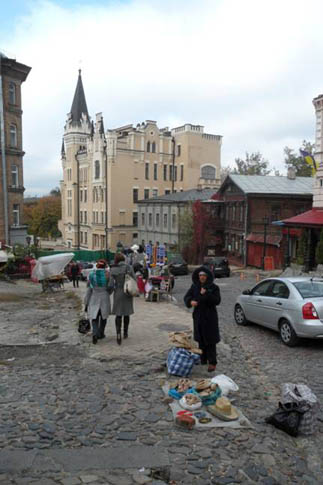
159,218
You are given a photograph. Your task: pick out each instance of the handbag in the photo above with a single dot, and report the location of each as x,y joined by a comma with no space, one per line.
287,418
84,325
302,394
130,286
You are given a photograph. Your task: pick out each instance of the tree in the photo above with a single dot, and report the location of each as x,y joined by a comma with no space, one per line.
319,250
296,161
56,192
254,164
185,224
42,218
203,229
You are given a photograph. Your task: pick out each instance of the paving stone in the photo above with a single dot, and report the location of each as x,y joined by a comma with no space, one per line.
71,481
89,478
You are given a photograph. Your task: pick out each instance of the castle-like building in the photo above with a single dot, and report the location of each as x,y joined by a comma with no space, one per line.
106,172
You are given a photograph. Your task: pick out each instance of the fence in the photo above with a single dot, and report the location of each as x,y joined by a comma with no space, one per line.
81,255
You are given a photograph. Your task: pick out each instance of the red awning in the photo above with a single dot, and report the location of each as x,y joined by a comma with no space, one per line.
314,217
259,238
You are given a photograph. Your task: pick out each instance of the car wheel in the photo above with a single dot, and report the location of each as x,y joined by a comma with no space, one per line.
287,334
239,316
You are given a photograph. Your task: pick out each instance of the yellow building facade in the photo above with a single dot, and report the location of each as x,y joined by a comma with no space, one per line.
105,173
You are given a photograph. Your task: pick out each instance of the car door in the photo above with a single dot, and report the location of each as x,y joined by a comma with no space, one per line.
278,302
257,304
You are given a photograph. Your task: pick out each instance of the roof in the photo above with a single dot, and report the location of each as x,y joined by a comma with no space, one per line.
79,103
313,217
185,196
270,184
259,238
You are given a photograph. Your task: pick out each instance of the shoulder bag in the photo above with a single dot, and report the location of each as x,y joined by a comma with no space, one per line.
130,287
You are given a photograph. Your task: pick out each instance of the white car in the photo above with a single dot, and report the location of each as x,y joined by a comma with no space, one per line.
291,306
86,271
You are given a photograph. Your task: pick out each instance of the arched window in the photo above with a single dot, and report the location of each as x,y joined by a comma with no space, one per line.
97,169
13,135
208,172
12,93
148,146
153,147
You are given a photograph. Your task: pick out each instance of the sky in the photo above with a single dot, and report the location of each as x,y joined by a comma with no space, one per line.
247,70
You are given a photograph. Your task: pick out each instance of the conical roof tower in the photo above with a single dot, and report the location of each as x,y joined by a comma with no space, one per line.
79,106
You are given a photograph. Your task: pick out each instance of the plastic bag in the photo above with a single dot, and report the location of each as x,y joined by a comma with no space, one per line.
287,418
302,394
226,384
186,404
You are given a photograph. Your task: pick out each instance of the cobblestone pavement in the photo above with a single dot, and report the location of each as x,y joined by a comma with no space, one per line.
77,413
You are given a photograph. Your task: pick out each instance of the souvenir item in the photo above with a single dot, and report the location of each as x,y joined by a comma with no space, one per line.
190,402
223,410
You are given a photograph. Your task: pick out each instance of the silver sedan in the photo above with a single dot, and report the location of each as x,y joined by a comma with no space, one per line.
291,306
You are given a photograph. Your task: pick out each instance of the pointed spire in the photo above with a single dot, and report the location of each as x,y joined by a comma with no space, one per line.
101,129
79,103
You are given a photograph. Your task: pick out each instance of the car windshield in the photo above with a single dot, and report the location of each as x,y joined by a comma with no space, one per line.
176,260
310,289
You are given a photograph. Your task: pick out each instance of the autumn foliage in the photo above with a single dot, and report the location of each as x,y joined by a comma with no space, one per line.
203,222
43,216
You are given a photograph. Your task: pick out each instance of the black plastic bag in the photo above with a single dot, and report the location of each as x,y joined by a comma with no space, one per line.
84,326
287,417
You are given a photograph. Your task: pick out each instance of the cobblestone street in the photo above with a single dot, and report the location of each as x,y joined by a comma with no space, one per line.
74,413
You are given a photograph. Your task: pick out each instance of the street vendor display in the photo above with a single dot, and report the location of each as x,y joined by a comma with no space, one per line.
49,270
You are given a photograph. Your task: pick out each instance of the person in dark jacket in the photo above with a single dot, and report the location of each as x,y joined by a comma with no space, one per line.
75,271
203,296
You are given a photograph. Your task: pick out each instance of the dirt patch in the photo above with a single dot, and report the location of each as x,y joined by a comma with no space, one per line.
11,297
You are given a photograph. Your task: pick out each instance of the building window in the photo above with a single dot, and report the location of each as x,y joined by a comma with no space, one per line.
173,220
147,171
93,216
135,219
85,217
234,213
155,171
155,193
241,213
165,173
102,217
275,212
171,172
81,217
150,219
153,147
12,93
165,220
97,169
13,135
85,237
157,220
182,173
142,219
69,203
178,150
81,237
146,194
167,191
208,172
15,213
135,195
85,195
14,176
148,146
69,174
81,195
175,173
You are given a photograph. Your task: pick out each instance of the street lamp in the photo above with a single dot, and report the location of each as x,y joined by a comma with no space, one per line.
266,222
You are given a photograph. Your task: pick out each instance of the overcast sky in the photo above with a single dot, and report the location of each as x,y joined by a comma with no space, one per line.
245,69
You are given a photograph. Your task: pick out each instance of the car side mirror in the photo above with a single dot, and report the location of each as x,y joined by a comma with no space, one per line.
246,292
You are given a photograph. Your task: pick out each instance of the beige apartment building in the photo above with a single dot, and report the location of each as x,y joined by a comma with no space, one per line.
105,173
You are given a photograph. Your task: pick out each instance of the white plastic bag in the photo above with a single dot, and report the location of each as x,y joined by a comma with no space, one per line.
226,384
190,407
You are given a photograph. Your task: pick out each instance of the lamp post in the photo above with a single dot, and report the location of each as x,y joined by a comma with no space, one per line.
173,165
266,222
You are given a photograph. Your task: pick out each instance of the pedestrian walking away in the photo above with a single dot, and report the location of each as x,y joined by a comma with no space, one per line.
75,273
97,299
122,302
203,297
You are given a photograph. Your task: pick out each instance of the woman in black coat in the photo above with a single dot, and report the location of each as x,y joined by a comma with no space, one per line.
203,296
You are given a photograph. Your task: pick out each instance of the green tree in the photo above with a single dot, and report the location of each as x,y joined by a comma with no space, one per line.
43,217
296,161
319,250
254,164
185,225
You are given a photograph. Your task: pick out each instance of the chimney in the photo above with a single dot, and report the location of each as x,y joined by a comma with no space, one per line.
291,173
